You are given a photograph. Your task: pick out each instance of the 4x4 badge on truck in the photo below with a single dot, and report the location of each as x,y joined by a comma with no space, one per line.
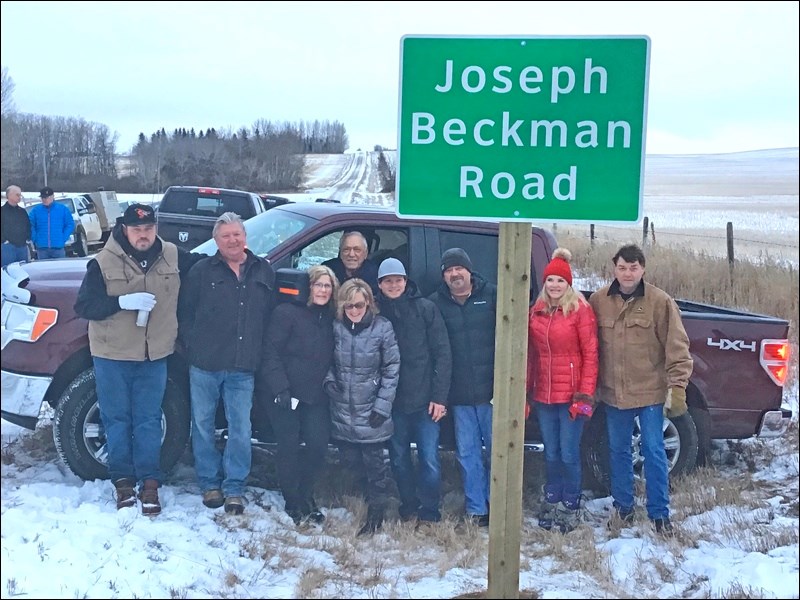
183,236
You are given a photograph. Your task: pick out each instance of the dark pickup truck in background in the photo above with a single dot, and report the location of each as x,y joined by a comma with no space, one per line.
187,213
736,391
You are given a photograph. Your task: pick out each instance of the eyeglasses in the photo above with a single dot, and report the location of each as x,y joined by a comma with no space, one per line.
322,286
356,305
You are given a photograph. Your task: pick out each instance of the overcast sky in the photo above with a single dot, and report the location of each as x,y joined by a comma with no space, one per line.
723,77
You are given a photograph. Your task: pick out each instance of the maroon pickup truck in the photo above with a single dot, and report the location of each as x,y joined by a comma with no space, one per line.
736,391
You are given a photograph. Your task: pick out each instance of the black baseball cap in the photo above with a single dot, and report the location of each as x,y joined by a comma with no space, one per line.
139,214
46,192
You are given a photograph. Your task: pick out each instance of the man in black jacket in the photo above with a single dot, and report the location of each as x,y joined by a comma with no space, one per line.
421,399
16,227
223,312
469,305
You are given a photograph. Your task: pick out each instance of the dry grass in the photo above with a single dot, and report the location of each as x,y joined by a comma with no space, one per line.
691,273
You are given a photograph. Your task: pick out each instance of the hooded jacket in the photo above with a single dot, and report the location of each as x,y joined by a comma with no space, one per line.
113,333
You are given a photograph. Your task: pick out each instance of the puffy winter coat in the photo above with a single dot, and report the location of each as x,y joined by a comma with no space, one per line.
425,361
366,367
51,225
562,353
471,328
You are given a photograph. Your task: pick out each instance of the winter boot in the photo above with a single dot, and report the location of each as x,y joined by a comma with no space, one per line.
551,496
123,491
374,521
313,513
663,526
568,512
148,495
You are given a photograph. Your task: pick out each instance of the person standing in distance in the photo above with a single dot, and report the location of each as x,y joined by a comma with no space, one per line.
422,389
640,327
562,375
51,226
468,304
16,227
224,311
136,274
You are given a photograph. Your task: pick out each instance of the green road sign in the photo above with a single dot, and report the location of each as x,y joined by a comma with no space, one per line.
522,128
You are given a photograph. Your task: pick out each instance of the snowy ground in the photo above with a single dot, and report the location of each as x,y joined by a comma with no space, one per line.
737,521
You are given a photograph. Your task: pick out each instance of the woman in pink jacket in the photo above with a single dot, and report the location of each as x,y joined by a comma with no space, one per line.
562,374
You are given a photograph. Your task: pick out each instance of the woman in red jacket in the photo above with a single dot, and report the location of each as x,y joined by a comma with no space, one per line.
562,374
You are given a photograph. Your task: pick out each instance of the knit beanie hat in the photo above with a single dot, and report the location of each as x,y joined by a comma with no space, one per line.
559,265
456,257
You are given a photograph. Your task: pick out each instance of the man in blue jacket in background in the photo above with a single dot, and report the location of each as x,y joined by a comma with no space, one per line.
51,226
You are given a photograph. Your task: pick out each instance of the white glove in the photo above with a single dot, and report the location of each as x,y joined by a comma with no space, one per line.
137,301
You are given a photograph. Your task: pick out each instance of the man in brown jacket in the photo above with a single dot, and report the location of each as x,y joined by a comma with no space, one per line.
129,295
644,364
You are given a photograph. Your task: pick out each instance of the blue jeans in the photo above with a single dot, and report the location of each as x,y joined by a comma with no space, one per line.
473,428
562,450
130,394
12,253
227,472
619,424
420,491
42,253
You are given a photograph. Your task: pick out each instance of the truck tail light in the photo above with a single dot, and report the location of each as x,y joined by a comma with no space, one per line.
25,323
774,359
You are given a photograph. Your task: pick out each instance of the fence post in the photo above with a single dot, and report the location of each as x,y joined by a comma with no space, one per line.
729,236
653,232
591,235
644,232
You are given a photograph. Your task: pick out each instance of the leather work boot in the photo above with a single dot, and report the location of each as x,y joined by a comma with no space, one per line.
234,505
123,491
148,496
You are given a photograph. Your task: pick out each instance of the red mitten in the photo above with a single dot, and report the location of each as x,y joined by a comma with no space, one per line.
581,407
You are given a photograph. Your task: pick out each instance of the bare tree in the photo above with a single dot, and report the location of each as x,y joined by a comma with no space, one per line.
6,94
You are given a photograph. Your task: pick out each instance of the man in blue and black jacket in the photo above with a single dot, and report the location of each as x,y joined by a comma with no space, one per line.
469,306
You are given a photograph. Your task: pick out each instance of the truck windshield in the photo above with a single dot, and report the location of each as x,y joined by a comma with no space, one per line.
266,231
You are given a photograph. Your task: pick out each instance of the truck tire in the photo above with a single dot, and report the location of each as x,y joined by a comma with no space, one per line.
80,438
81,245
680,442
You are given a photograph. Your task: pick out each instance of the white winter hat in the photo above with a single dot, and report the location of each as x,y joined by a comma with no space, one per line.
391,266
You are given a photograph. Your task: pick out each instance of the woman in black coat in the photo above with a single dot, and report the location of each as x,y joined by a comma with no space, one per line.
297,356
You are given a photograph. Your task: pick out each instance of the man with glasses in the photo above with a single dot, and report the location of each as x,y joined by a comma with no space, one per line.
16,227
352,261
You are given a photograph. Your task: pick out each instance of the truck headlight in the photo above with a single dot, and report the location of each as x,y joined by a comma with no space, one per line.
25,323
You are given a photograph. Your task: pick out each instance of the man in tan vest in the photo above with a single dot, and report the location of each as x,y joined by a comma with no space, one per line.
129,295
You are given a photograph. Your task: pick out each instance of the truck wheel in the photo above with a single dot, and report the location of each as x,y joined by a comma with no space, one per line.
81,246
680,442
80,438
